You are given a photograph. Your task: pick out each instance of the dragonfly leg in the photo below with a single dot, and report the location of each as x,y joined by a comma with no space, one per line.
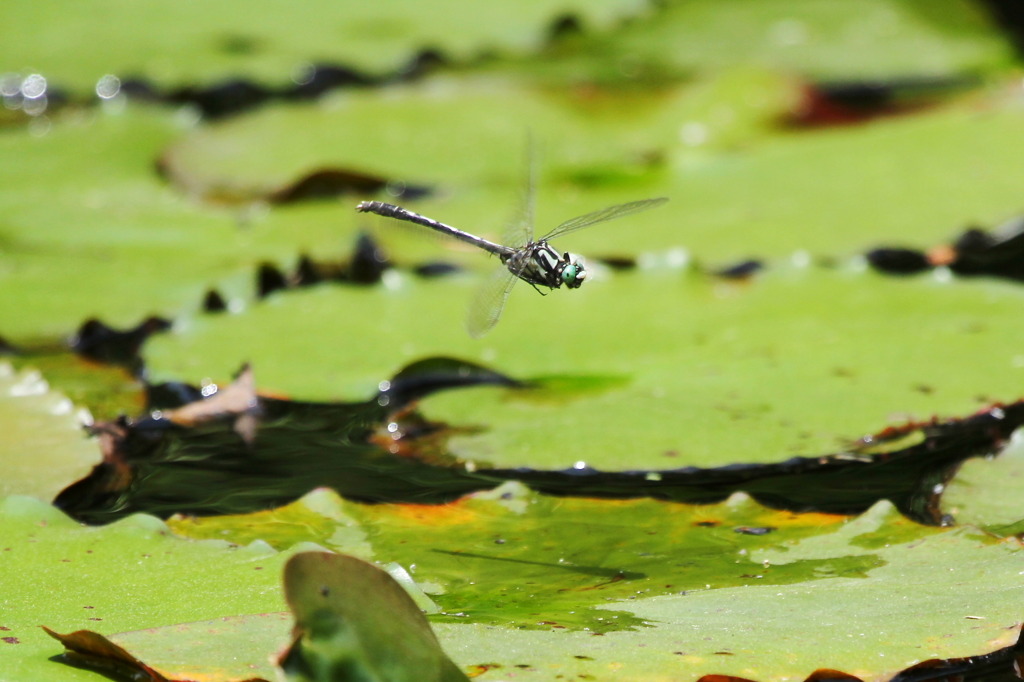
536,289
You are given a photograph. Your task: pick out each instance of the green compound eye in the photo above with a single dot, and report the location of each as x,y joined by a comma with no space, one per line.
569,274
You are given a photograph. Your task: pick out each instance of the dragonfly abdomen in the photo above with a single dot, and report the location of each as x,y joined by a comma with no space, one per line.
399,213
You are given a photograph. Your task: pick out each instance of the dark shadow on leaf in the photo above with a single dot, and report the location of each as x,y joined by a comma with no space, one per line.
93,651
97,341
852,102
975,253
163,464
381,450
331,183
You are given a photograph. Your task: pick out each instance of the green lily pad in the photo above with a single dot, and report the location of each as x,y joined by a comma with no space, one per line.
532,586
513,557
736,190
118,243
517,559
230,40
158,252
106,391
872,627
44,442
319,517
889,38
793,357
126,576
986,492
963,598
658,368
189,652
353,621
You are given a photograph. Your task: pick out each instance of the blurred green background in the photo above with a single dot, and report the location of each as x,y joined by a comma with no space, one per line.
156,156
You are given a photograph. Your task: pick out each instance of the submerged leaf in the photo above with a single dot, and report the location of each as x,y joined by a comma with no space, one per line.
952,595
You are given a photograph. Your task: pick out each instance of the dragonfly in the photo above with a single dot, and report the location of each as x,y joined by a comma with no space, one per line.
535,262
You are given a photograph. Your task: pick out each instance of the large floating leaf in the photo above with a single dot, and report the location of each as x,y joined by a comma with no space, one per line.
475,142
533,586
736,192
883,39
109,197
126,576
963,600
888,37
103,236
351,621
804,580
185,651
513,557
794,363
230,40
44,442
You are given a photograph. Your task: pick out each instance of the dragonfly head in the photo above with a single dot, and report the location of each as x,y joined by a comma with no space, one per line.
573,272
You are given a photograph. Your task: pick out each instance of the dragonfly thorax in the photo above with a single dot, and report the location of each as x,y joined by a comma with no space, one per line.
541,265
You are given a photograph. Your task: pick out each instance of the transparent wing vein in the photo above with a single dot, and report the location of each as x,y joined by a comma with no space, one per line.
489,301
520,230
609,213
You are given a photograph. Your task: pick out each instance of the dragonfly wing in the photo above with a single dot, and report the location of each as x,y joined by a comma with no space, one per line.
609,213
487,304
520,230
